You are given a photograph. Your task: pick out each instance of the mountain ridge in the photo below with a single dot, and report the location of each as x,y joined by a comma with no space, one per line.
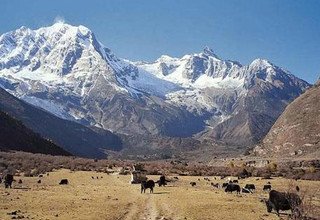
15,136
68,72
75,138
296,132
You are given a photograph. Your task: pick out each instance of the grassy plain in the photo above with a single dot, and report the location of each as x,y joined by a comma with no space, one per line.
112,197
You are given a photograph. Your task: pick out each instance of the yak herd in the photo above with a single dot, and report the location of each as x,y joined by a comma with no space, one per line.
277,200
8,180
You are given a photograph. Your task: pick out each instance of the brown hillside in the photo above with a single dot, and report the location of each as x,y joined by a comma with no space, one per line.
296,133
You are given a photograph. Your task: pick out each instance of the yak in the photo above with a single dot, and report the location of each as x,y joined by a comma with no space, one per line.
64,182
267,187
8,179
250,187
147,184
224,185
232,187
282,201
162,181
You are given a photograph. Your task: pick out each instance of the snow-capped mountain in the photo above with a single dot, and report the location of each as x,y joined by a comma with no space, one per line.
65,70
197,71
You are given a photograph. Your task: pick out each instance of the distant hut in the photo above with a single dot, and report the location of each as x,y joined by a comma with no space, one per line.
138,174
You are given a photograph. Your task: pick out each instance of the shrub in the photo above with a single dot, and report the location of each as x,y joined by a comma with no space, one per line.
272,167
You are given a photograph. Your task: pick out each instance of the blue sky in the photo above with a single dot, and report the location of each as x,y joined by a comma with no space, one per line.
286,32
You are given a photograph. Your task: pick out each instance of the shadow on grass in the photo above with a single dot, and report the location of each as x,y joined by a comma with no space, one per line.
161,193
24,188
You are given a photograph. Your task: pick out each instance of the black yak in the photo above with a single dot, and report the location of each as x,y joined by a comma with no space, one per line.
8,179
282,201
147,184
64,182
232,187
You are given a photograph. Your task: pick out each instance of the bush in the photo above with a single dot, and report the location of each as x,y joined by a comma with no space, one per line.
272,167
35,164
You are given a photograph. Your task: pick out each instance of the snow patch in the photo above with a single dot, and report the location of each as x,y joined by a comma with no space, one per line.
205,81
49,106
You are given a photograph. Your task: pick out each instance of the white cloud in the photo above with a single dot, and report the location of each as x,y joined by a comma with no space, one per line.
59,19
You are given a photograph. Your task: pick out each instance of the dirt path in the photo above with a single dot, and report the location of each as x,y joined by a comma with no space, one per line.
131,212
150,210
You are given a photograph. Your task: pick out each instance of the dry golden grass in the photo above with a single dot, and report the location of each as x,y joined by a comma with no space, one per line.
112,197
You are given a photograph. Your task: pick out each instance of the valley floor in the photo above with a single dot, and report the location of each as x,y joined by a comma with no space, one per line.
112,197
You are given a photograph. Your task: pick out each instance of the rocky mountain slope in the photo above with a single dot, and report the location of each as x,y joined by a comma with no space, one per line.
65,70
237,103
296,133
73,137
15,136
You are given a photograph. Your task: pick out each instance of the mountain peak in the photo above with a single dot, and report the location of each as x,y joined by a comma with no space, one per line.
62,27
209,52
84,30
21,31
165,58
23,28
261,63
52,49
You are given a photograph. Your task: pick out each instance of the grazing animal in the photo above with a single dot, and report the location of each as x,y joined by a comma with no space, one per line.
267,187
282,201
47,174
20,181
216,185
147,184
193,183
39,181
92,177
250,187
162,181
40,175
297,188
8,179
97,177
224,185
245,190
175,177
64,182
232,187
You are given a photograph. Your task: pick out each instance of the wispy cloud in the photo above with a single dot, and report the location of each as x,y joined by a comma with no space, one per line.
59,19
